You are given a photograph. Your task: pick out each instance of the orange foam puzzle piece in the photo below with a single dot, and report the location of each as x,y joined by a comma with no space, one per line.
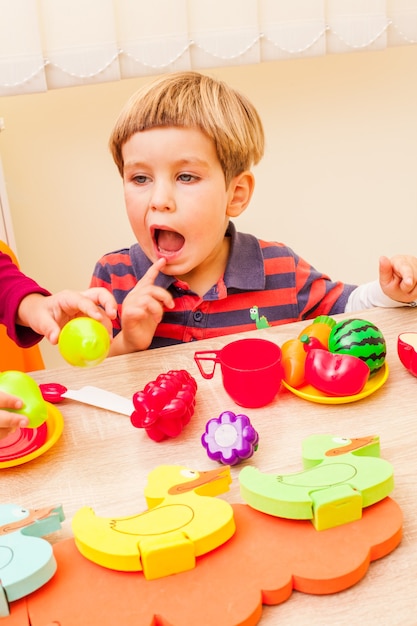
265,560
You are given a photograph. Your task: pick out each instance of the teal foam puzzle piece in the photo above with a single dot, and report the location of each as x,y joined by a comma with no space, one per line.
27,561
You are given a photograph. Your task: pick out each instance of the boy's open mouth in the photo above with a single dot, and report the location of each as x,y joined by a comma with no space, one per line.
168,241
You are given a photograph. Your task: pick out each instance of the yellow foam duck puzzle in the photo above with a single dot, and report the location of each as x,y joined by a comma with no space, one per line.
183,521
341,476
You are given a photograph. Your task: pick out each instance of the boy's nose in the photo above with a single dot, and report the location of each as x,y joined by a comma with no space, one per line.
162,198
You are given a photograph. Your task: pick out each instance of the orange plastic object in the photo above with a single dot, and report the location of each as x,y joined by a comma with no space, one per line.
12,357
263,562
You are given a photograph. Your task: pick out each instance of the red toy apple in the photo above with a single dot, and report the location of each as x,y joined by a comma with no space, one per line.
407,351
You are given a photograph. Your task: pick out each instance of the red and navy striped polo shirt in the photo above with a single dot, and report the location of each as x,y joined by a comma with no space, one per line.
262,280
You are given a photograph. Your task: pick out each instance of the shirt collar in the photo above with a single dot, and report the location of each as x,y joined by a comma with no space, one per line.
245,267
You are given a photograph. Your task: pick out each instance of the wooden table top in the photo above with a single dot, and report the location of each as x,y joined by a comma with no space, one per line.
102,461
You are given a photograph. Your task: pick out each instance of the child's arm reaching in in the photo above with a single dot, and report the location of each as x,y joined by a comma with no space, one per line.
398,277
142,311
396,287
46,315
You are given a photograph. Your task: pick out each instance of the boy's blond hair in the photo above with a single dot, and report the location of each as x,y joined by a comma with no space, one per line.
191,99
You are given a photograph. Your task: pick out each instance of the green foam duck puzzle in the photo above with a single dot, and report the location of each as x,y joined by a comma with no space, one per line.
341,477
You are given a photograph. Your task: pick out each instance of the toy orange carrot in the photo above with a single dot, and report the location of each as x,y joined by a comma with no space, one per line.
293,352
293,360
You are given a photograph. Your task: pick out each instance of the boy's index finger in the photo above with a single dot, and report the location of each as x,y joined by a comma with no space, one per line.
148,279
152,273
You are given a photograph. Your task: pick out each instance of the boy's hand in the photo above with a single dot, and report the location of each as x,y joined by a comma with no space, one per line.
142,311
46,315
10,421
398,277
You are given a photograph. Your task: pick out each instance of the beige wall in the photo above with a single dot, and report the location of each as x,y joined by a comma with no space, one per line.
337,183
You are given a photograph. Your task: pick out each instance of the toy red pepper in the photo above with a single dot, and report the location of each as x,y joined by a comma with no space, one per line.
335,374
165,405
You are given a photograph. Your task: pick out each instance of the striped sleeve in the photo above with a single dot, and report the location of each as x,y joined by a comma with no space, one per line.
312,292
115,273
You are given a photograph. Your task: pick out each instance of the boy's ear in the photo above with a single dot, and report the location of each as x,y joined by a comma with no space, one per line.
241,190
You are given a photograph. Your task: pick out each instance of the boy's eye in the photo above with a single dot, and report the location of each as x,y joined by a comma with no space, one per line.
140,179
186,178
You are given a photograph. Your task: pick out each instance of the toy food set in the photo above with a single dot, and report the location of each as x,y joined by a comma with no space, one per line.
333,362
314,531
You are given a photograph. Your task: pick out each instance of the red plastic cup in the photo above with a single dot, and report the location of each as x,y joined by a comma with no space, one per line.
251,370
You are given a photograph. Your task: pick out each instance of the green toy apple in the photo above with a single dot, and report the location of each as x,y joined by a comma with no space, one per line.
24,387
84,342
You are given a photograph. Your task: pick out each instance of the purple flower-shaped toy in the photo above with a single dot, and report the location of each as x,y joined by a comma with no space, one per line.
230,438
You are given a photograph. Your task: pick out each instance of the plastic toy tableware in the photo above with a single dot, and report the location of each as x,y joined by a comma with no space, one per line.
407,351
310,393
251,370
94,396
26,444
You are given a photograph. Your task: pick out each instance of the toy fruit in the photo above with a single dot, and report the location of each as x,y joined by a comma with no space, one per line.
335,374
320,328
407,351
230,438
293,352
165,405
24,387
84,342
293,360
359,338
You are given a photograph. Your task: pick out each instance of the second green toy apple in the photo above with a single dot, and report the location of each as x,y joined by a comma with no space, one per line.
84,342
24,387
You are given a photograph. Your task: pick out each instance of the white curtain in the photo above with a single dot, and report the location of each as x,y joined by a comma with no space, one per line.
47,44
